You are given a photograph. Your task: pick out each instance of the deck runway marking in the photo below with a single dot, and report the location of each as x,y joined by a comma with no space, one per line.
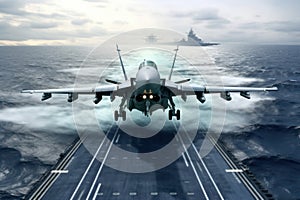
117,140
132,193
206,169
185,161
154,193
59,171
173,193
233,170
88,168
199,167
193,167
97,190
102,164
190,193
116,193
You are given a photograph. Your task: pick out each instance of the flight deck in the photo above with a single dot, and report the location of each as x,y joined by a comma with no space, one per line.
81,175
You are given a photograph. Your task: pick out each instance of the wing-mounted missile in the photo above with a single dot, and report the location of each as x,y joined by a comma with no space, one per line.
98,98
226,96
182,81
245,94
201,97
72,97
112,81
46,96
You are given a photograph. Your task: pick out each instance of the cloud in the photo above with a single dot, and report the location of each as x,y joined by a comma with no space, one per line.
209,16
96,1
284,26
12,7
278,26
79,22
206,15
42,32
43,25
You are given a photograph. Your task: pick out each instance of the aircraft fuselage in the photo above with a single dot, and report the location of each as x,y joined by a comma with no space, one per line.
149,93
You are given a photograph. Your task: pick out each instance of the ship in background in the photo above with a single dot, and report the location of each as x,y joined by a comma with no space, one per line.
194,40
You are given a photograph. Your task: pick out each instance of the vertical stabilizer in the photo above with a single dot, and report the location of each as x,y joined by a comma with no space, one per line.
122,65
176,50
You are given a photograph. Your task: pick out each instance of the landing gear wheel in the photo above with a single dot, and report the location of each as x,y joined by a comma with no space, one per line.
170,114
116,115
178,114
123,115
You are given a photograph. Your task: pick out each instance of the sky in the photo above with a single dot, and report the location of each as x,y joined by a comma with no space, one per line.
86,22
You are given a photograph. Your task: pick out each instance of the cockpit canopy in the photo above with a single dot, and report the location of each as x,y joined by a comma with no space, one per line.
147,63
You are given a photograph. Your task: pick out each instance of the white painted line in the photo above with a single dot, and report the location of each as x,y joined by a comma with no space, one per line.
132,193
236,178
199,167
154,193
116,193
233,170
193,167
190,193
102,164
59,171
117,140
87,169
206,169
184,158
97,190
173,193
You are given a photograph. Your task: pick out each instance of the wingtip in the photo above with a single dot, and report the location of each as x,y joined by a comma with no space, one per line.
27,91
275,88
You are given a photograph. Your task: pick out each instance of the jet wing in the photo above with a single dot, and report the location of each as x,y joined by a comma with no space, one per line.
219,89
73,93
199,91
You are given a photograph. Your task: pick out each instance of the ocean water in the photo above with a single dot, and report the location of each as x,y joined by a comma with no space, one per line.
263,132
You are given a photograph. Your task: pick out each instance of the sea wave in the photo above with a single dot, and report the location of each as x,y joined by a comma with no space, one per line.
18,175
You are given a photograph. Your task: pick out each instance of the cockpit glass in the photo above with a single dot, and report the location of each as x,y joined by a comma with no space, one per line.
148,63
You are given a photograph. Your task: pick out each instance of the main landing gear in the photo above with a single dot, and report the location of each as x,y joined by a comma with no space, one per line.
173,113
120,114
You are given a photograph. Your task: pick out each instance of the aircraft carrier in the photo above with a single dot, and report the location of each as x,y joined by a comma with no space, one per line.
194,40
81,175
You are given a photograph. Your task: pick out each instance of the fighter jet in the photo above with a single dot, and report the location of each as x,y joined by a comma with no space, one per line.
148,92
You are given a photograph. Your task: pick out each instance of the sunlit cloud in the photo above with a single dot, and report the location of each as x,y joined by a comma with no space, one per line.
84,22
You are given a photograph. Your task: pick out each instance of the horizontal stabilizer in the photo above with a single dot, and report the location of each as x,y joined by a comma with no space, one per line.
183,81
111,81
